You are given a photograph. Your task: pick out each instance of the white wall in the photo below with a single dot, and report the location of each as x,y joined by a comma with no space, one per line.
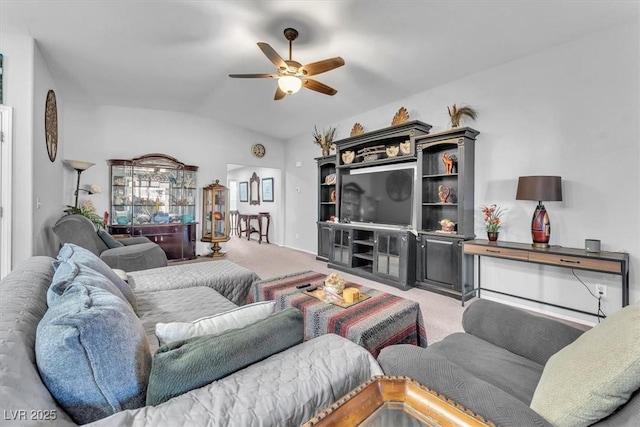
47,176
571,111
275,208
99,133
18,75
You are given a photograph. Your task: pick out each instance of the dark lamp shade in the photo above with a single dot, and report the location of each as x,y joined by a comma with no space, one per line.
539,188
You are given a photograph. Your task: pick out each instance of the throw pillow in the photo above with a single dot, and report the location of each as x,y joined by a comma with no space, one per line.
185,365
92,353
216,324
69,272
85,257
591,377
109,240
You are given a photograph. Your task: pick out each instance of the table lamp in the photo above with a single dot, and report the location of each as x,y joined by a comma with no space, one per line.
540,188
79,166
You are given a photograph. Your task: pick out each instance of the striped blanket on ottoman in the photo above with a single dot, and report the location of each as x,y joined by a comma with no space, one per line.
375,323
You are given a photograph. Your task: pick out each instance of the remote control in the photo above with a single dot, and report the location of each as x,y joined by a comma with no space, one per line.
311,289
303,286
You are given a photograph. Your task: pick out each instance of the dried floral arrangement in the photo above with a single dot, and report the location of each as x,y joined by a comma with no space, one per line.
324,139
456,114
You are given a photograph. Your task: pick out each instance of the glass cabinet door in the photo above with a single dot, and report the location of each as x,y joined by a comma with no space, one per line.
388,254
340,246
121,195
207,209
215,216
152,189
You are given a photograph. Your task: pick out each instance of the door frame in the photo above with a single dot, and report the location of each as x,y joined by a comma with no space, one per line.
6,145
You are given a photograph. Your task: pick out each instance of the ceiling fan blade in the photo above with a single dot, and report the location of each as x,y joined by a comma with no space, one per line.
318,87
279,94
254,76
273,56
322,66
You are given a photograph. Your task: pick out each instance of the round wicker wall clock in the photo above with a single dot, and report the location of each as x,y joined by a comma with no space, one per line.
258,150
51,125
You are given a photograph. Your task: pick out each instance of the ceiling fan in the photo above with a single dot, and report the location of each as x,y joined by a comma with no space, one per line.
291,74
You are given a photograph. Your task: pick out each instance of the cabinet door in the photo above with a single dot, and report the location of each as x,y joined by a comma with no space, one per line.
341,246
387,254
324,241
440,259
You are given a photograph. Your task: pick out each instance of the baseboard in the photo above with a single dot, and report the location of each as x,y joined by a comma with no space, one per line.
299,250
540,311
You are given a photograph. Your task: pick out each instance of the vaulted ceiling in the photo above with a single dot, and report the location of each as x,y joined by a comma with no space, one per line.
176,55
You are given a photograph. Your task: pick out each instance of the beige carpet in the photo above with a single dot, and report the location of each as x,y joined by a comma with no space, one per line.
442,315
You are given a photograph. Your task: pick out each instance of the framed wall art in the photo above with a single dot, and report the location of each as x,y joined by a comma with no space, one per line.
51,125
243,191
267,190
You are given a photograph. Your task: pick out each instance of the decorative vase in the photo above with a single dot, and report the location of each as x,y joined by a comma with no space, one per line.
492,235
326,151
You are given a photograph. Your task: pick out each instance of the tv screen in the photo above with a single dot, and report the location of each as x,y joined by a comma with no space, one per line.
372,195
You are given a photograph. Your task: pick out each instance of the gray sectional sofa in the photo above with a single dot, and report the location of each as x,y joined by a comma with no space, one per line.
512,367
284,389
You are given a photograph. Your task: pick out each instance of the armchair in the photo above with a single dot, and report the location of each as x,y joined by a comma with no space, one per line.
520,369
134,253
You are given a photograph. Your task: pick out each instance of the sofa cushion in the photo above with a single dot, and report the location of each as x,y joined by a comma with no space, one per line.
69,272
510,372
178,305
70,251
109,240
215,324
93,354
590,378
184,365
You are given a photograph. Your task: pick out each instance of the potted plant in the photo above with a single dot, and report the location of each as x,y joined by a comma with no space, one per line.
456,114
87,209
492,221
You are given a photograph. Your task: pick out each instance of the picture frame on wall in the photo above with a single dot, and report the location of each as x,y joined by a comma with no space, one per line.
243,191
267,190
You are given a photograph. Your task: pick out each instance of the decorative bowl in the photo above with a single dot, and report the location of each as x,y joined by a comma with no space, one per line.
330,179
348,157
187,218
334,283
392,150
122,220
405,147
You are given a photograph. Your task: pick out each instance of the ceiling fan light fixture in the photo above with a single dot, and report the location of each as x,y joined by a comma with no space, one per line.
290,84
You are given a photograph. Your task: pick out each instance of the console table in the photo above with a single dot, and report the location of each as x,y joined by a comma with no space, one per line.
248,229
602,262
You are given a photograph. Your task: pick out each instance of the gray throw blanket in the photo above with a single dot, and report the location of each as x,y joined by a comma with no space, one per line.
185,365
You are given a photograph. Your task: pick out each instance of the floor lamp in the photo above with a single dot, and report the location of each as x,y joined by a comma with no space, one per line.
80,167
540,188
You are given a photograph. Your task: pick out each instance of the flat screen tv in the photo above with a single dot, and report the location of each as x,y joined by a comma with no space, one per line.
378,195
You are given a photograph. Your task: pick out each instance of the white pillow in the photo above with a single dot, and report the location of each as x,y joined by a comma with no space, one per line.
121,274
216,324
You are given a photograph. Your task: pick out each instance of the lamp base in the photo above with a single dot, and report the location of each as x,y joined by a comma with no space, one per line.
540,227
541,245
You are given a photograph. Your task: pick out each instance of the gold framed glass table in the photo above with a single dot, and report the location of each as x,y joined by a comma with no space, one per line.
395,401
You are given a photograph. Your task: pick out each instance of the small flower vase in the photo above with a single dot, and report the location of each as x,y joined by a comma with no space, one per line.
326,151
492,235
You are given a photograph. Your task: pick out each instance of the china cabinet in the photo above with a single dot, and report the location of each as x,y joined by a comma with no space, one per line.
215,217
155,196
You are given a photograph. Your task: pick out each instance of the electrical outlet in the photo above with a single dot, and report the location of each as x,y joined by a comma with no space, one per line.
601,290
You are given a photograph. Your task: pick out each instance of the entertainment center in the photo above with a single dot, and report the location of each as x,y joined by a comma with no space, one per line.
381,202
